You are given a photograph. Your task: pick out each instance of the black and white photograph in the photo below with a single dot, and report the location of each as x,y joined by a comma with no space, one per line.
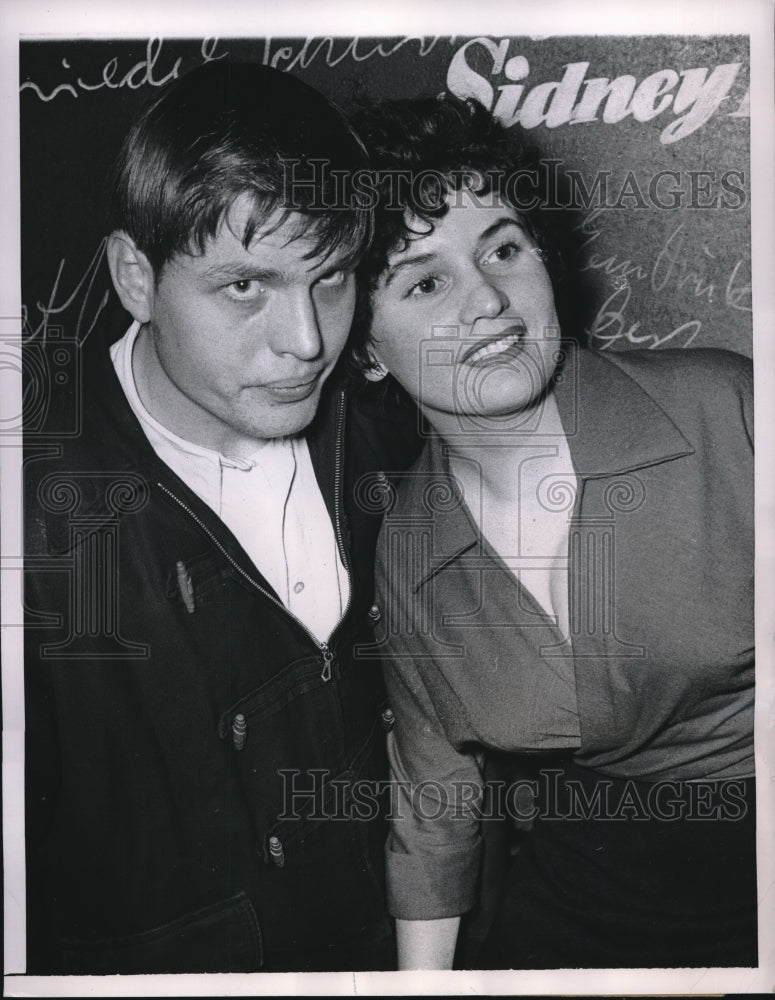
387,566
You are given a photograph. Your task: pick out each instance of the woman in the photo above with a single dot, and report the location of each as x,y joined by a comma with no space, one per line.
565,587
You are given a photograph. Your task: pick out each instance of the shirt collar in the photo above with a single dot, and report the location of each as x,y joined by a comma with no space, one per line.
178,444
110,446
613,426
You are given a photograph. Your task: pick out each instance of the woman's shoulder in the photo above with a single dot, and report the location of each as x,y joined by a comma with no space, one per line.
711,382
693,372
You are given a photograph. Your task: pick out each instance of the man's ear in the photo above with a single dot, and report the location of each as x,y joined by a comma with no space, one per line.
132,276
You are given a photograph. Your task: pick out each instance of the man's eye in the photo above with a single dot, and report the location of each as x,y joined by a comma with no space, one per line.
505,252
245,288
426,286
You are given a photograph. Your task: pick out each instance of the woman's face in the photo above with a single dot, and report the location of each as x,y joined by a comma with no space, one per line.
464,316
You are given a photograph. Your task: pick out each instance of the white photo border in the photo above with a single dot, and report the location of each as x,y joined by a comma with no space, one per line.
241,18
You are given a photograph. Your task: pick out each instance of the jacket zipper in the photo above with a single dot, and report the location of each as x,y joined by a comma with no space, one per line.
325,649
338,499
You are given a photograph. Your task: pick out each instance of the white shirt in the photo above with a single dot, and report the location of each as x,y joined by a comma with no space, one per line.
271,502
546,495
530,531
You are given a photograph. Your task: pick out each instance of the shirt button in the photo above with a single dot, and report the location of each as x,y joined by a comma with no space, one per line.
239,732
374,613
298,587
388,720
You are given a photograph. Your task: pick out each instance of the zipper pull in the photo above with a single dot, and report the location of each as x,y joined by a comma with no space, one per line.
328,657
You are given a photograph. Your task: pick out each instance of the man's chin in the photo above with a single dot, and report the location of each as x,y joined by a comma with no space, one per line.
285,420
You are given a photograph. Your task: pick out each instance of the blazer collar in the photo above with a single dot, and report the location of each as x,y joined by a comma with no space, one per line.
613,424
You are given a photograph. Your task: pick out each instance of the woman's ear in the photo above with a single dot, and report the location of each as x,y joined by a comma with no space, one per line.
132,276
375,371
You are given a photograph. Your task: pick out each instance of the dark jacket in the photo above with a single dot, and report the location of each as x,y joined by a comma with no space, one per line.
174,705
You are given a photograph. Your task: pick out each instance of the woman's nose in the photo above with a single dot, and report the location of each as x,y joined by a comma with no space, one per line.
485,300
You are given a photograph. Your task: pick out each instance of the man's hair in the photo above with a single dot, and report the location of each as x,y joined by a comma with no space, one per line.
423,149
229,129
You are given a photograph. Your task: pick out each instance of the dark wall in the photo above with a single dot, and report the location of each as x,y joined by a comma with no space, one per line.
647,138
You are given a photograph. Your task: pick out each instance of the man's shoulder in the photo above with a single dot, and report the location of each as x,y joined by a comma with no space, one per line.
83,444
385,426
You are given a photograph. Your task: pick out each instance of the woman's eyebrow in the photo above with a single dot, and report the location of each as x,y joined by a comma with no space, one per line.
420,258
502,223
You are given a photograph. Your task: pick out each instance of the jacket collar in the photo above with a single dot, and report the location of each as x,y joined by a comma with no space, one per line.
613,426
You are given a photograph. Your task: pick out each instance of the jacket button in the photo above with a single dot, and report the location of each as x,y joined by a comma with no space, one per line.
239,732
388,719
374,613
276,852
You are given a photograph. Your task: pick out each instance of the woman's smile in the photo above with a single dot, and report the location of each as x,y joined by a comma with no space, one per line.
508,341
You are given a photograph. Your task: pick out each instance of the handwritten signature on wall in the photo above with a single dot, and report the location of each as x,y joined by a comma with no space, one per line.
675,270
153,71
89,295
141,74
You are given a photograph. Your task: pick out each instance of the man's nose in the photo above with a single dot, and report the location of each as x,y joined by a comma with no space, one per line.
483,300
295,327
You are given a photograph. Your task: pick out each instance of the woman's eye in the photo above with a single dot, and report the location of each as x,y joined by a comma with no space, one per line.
426,286
505,252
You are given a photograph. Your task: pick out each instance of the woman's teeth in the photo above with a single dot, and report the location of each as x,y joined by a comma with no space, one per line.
494,347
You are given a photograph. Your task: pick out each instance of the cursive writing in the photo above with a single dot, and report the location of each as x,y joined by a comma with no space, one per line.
675,270
611,325
301,56
672,267
738,296
619,270
146,72
590,227
80,298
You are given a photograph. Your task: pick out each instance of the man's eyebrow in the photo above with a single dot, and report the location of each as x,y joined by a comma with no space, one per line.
239,270
420,258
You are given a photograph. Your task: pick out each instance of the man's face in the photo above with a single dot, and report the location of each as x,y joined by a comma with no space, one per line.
245,338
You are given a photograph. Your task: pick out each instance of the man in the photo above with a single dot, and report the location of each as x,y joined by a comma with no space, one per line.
199,573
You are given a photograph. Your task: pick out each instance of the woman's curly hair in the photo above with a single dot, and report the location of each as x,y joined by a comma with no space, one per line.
420,150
